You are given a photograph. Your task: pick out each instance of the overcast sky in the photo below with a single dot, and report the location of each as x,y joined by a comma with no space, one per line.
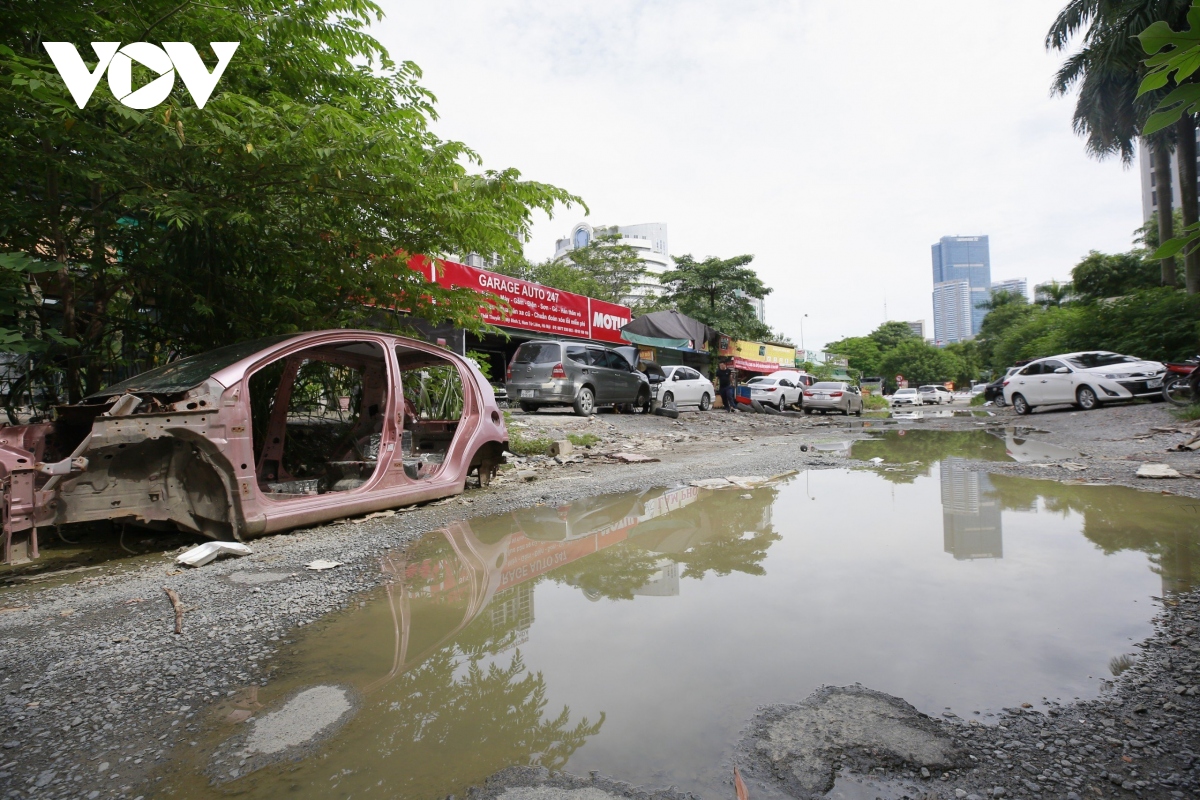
834,141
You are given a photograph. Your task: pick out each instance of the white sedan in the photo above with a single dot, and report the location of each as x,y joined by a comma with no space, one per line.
685,386
907,397
777,392
1084,380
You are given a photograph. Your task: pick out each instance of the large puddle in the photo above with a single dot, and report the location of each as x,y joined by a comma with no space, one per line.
636,634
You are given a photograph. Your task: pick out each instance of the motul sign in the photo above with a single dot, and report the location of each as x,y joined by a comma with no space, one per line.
171,58
608,322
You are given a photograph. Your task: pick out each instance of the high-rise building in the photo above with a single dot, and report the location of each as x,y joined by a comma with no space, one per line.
1014,286
958,260
951,311
1150,180
649,240
917,327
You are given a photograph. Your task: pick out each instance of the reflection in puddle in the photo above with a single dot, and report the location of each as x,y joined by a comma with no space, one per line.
635,634
905,446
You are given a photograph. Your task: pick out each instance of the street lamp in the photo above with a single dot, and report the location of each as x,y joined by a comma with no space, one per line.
802,318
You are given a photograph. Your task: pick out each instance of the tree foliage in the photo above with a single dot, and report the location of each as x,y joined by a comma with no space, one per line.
287,203
716,291
1101,275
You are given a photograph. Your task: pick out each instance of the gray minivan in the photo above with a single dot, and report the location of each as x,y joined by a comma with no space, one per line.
577,374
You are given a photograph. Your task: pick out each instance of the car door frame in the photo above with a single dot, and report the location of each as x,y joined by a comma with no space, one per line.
1029,386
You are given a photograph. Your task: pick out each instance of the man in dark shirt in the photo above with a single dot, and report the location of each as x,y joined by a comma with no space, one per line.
725,385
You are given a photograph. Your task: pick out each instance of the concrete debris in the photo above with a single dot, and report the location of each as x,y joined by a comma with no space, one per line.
710,483
202,554
1149,470
795,747
322,564
562,447
526,475
632,458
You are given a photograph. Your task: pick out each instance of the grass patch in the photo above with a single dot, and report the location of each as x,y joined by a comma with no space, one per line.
523,445
1188,413
978,399
583,439
875,402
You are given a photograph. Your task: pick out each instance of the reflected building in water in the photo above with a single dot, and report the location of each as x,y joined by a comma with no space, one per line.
971,524
664,583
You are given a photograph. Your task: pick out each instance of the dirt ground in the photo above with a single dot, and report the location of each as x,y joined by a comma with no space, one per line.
99,693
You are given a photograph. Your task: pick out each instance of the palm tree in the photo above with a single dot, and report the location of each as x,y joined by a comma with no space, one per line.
1107,70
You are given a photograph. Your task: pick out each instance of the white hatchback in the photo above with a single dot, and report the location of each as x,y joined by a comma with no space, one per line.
1084,380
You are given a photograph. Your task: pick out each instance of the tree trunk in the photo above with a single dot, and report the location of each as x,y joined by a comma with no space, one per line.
1166,214
1185,155
66,286
96,325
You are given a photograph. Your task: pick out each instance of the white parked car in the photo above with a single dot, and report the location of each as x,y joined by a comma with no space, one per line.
935,395
1084,380
797,377
776,392
685,386
907,397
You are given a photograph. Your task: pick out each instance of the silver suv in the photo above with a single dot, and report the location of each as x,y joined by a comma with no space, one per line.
584,376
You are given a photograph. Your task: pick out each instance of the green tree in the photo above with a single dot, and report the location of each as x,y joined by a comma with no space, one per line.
716,291
862,353
1059,294
890,334
919,363
289,202
1101,275
1005,311
1110,112
615,269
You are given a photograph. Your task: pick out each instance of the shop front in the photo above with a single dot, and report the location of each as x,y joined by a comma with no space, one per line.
756,358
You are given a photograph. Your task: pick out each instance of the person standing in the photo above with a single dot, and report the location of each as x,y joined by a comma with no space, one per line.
725,385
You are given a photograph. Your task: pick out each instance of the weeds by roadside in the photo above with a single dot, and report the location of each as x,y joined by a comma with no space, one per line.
1188,413
521,445
583,439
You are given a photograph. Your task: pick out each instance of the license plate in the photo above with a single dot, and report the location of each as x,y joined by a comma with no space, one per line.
527,393
1154,384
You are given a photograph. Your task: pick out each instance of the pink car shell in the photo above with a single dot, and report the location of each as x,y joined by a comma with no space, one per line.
256,438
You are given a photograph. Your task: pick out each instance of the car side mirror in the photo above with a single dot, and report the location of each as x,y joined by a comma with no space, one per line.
675,377
1061,371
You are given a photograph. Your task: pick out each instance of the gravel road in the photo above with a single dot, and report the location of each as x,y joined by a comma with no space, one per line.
100,693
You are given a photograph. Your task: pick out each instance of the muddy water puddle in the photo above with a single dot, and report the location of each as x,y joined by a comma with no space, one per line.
636,634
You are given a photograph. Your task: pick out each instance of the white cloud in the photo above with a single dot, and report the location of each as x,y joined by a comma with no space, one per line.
834,141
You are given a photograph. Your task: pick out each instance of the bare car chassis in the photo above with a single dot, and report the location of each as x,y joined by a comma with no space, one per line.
256,438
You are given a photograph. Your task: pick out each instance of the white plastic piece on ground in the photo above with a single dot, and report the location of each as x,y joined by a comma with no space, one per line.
201,554
1157,471
321,564
876,460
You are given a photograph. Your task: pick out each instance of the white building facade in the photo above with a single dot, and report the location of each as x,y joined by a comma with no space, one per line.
952,311
649,240
1015,286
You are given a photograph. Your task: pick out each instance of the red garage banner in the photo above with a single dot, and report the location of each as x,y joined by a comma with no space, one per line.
533,307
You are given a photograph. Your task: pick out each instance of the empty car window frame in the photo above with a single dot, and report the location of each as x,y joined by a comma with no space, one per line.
435,401
318,418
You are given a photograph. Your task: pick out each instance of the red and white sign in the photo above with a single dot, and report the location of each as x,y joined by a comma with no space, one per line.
750,365
532,307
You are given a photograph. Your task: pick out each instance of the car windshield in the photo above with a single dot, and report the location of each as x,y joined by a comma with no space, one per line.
181,375
906,391
928,388
827,385
761,381
1089,360
537,353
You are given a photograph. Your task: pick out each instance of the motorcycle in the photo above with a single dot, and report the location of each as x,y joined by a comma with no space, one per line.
1181,384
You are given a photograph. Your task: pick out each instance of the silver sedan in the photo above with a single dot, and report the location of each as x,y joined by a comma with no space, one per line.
829,396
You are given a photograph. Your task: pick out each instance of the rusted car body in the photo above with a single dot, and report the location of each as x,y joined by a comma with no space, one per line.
256,438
